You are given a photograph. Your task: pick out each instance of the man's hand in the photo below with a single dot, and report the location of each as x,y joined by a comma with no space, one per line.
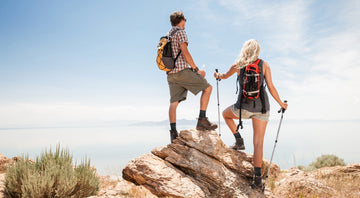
201,72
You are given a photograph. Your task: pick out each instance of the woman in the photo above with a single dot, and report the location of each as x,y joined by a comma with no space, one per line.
251,110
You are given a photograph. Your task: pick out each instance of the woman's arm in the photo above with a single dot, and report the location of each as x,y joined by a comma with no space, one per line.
271,87
226,75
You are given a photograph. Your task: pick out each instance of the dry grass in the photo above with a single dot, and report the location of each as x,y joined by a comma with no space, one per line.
325,182
345,184
270,182
120,188
105,182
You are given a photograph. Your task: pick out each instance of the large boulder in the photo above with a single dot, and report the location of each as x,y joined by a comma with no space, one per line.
161,177
196,164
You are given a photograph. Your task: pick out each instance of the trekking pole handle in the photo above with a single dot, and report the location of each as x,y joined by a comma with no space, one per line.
217,71
282,109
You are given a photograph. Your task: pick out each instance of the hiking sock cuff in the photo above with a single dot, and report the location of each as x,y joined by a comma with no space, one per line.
202,114
173,126
237,135
257,171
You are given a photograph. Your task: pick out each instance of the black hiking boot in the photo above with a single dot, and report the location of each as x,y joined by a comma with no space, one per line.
239,144
257,182
173,135
204,124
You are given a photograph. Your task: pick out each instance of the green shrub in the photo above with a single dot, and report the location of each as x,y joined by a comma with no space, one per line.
51,175
323,161
327,161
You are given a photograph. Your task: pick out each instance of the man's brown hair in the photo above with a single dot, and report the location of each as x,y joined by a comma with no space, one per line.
176,17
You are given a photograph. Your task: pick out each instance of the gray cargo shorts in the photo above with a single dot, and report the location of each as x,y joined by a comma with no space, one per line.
247,114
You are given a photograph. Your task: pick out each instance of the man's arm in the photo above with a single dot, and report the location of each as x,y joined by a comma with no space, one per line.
187,55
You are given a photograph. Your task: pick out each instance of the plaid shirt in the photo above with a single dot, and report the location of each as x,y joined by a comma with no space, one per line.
178,38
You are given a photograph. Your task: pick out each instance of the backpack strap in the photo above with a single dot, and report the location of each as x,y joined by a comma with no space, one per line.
237,84
177,57
173,32
171,35
240,125
262,88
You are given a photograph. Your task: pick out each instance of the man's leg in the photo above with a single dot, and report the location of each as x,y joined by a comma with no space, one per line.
203,122
172,112
172,119
195,83
205,97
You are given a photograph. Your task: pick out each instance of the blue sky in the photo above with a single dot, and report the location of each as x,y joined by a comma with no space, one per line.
83,61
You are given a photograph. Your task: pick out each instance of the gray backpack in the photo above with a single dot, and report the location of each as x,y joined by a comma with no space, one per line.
164,59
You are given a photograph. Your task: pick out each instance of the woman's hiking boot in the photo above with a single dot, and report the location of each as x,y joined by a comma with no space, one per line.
204,124
257,182
173,135
239,144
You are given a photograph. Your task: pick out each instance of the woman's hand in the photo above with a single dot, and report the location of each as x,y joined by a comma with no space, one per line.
283,105
233,69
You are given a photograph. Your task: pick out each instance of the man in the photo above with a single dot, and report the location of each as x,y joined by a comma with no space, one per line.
185,76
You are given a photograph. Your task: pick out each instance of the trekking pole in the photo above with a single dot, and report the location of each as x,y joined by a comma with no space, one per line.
217,85
282,110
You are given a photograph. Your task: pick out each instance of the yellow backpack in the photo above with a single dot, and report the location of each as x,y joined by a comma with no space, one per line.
164,58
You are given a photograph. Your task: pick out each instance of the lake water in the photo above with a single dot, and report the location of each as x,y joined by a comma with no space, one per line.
111,147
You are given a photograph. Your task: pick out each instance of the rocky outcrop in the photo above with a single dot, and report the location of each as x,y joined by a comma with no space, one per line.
4,162
339,181
296,182
196,164
2,178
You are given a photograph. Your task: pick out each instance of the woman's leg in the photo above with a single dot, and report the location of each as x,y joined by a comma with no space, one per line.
259,127
229,119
